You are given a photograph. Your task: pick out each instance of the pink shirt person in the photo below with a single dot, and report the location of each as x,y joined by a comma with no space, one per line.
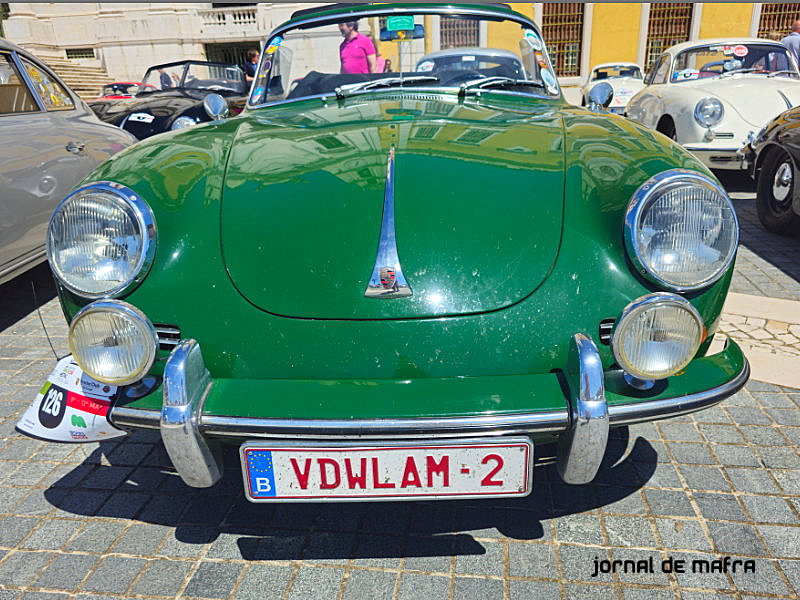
356,52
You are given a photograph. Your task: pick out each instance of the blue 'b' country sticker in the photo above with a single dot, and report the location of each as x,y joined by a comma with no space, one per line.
262,478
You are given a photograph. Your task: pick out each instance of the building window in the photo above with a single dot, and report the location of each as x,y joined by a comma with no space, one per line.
234,53
474,137
459,33
330,143
425,132
777,18
80,52
562,28
669,24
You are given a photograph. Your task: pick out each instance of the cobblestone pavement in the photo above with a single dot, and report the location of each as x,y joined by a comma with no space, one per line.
766,264
112,520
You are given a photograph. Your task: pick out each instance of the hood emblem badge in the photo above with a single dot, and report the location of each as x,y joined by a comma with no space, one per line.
387,280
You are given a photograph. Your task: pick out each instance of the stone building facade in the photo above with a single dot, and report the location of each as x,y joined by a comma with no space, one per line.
125,38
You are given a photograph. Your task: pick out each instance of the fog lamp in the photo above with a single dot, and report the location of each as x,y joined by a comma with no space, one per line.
113,342
657,336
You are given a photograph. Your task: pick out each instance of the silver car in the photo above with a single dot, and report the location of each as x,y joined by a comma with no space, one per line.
50,140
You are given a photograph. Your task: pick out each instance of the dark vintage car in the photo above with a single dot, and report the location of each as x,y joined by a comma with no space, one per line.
773,157
50,141
392,285
172,96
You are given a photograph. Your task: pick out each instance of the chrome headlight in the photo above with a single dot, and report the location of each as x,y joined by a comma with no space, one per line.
101,240
113,342
708,112
182,122
657,336
216,106
681,230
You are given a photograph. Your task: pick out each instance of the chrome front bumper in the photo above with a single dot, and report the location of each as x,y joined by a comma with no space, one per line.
729,158
582,426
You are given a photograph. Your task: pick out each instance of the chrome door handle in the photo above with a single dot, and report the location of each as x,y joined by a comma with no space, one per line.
76,147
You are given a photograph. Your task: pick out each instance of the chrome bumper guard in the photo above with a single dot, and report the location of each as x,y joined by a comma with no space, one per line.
582,446
186,386
582,427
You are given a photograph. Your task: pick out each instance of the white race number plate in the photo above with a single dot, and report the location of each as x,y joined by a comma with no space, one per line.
142,117
389,471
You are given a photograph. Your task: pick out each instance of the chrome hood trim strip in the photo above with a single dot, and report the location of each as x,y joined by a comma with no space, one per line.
387,280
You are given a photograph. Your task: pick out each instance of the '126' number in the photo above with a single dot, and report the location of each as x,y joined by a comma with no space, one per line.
52,402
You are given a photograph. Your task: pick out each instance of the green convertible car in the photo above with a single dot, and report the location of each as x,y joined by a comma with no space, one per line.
392,284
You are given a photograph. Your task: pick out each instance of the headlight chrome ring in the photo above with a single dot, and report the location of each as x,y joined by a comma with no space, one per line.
182,123
657,335
82,233
708,112
113,342
681,231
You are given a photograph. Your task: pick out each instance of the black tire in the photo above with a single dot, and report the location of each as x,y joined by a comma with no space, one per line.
667,126
775,191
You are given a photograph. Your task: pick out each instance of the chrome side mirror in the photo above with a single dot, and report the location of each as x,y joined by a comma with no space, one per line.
215,106
600,96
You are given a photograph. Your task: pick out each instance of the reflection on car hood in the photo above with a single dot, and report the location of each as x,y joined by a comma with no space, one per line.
478,196
756,98
159,104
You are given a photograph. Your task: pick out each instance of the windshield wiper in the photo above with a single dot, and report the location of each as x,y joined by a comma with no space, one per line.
486,82
776,73
739,71
343,90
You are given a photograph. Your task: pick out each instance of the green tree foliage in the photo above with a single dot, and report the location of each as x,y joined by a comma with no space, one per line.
3,16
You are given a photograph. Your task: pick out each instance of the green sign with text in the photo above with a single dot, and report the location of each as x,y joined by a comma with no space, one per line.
400,23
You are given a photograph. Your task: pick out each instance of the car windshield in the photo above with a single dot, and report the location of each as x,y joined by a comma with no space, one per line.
612,71
216,77
365,51
723,60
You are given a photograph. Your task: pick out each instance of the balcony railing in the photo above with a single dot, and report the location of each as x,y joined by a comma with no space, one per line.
234,22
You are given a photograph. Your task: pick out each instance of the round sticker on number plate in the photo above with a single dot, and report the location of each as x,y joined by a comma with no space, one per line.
740,50
70,407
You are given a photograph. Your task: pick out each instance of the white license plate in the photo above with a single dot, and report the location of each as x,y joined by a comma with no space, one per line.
450,469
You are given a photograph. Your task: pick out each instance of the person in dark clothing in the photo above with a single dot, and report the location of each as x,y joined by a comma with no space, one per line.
166,82
251,65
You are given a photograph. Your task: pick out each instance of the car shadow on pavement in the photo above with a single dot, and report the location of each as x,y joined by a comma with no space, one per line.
135,480
782,252
18,296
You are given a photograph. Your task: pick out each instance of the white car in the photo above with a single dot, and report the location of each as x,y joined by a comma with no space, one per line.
713,96
625,78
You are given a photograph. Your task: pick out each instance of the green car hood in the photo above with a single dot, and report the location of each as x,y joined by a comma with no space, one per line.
478,206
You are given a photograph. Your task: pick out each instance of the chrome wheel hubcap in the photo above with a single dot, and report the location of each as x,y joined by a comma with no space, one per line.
782,184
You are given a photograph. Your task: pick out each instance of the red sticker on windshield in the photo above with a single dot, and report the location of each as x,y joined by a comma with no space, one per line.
740,50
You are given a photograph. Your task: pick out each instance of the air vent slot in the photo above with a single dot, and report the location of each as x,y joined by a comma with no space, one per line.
606,327
168,335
